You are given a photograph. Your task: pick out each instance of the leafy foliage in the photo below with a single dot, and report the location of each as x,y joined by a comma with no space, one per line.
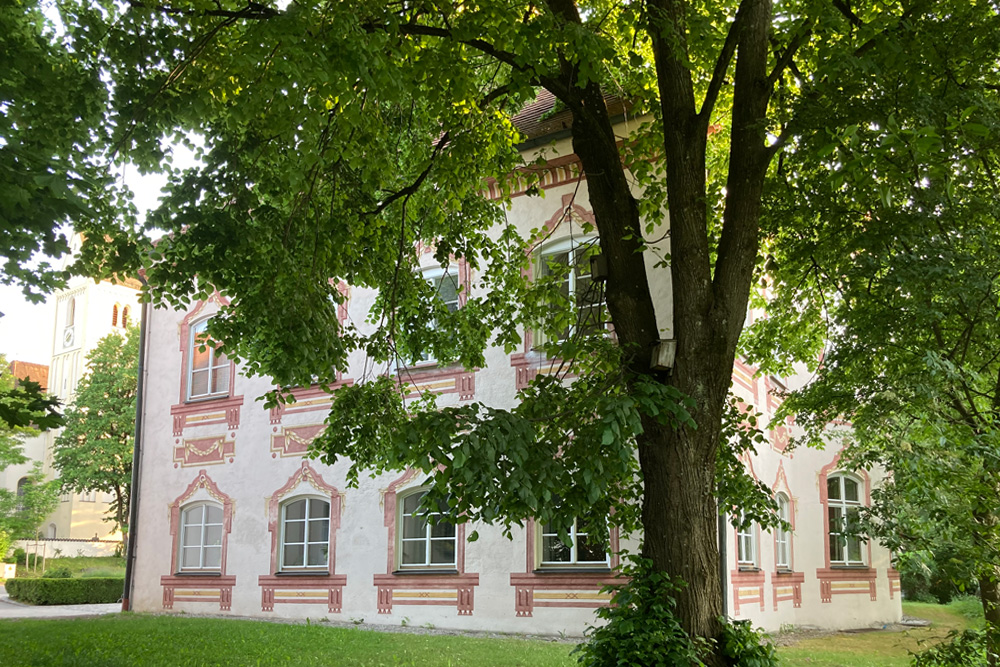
94,451
22,513
46,590
642,627
962,649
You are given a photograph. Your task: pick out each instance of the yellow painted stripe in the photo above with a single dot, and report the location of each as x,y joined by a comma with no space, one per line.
198,593
850,586
201,418
571,596
443,595
301,594
786,591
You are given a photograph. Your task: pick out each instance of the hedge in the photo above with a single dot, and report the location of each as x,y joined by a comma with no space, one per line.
66,591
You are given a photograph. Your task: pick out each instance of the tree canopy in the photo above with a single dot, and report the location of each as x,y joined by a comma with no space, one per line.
94,451
339,135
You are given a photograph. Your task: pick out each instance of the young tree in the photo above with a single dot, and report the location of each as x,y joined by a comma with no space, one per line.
341,134
94,451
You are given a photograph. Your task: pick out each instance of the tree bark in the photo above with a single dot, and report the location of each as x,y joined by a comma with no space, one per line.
989,593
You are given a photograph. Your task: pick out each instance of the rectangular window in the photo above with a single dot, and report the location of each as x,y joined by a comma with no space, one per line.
843,512
582,550
746,543
782,537
446,287
208,370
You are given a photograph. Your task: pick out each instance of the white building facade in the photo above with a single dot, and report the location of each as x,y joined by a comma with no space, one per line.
233,518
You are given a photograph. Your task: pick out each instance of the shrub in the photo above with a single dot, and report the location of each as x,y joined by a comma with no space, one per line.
966,649
4,545
642,628
970,607
66,591
57,573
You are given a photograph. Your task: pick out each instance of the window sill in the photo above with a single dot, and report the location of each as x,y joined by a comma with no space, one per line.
571,569
857,567
784,571
205,399
748,568
429,572
184,573
303,573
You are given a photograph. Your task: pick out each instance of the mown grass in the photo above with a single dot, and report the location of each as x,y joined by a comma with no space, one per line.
175,641
81,566
151,641
884,648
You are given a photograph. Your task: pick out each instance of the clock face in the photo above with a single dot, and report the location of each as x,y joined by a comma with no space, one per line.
68,337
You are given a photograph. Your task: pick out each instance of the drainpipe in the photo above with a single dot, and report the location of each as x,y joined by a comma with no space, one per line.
723,561
133,519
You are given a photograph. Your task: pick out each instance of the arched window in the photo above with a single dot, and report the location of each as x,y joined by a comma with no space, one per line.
305,534
114,315
125,317
783,537
746,543
21,484
208,370
201,538
844,504
71,312
423,543
51,534
585,295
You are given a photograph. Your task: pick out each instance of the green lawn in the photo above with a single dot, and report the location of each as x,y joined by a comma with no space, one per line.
142,640
879,649
80,566
175,641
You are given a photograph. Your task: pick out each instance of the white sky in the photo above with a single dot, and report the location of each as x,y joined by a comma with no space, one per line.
26,328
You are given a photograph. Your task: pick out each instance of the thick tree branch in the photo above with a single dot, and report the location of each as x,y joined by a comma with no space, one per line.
253,11
722,63
785,58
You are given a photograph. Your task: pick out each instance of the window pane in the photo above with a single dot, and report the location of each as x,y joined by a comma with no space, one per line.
833,488
319,530
293,555
295,532
296,510
213,557
443,552
319,509
199,383
214,514
854,549
414,527
447,290
554,551
200,356
414,553
836,549
554,258
189,556
317,554
213,535
191,536
589,551
850,490
193,515
411,502
220,380
443,529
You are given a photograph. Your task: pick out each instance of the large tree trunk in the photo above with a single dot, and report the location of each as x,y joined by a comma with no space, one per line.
989,593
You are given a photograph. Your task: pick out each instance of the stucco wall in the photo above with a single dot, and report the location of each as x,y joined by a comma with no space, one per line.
237,454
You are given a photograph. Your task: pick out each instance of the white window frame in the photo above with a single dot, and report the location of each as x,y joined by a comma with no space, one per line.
746,544
837,527
574,560
574,246
782,537
307,522
427,539
201,546
212,369
433,275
